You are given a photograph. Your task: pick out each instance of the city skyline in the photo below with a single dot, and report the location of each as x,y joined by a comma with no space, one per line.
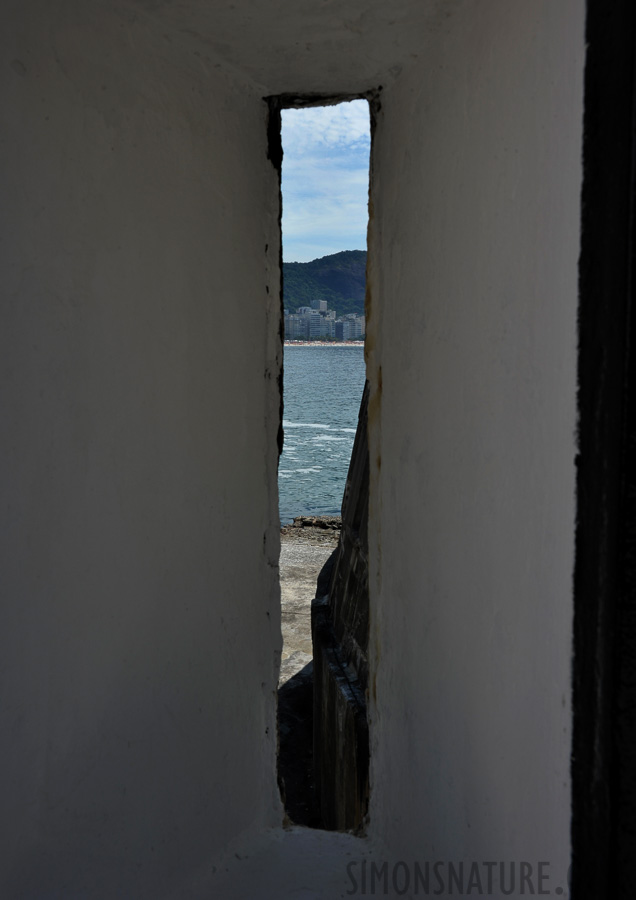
318,322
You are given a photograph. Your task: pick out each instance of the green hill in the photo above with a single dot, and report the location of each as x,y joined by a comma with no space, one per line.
339,279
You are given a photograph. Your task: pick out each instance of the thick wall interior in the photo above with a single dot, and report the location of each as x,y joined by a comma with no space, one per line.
140,353
476,188
141,627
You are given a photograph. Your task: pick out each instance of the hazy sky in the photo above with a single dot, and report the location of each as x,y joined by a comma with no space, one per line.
325,180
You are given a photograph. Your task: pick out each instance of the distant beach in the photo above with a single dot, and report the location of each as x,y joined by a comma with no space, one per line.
324,343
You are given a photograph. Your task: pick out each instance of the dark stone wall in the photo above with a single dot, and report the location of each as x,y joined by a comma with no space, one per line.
340,627
604,667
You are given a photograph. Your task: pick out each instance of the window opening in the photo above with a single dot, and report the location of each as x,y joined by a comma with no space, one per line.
321,705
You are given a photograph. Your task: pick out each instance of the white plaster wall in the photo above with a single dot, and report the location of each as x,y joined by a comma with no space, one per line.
476,228
139,406
139,413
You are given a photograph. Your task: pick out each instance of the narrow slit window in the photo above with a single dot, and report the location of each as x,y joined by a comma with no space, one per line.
323,492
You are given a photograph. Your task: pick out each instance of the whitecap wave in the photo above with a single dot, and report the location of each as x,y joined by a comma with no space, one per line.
329,439
305,425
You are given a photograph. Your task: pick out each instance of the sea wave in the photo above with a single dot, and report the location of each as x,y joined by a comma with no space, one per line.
329,439
319,425
305,425
322,390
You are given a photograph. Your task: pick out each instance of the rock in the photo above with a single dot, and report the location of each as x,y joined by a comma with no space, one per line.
324,523
305,548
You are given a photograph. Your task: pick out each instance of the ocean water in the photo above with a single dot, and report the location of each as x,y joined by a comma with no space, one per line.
321,394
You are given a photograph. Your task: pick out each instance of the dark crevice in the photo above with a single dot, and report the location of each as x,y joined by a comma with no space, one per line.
295,749
275,155
340,634
604,678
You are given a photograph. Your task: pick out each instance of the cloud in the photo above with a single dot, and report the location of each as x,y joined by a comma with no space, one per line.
325,179
344,125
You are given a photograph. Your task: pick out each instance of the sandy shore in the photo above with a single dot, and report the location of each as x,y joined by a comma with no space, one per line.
305,548
324,344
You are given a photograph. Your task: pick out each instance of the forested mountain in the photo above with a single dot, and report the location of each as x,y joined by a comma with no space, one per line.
339,279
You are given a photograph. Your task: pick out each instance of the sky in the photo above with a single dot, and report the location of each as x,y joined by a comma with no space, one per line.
325,180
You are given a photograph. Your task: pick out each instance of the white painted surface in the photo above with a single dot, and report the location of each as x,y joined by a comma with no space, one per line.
139,408
141,630
477,227
283,46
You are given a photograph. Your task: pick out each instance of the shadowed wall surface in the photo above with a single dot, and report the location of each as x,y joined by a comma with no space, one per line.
140,532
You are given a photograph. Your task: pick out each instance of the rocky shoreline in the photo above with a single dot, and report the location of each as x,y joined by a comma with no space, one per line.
310,525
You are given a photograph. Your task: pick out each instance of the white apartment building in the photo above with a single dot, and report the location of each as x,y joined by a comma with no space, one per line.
350,328
310,324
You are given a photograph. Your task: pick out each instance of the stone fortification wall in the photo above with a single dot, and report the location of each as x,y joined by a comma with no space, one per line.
340,628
